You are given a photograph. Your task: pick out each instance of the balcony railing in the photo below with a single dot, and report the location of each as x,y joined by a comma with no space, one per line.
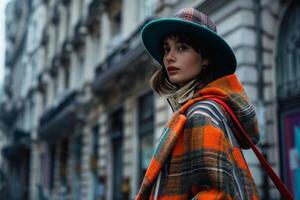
55,15
65,2
19,144
8,113
54,110
94,16
61,118
45,37
79,34
66,52
126,52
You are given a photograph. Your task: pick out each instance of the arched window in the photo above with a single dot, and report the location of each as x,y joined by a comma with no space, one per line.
288,91
288,54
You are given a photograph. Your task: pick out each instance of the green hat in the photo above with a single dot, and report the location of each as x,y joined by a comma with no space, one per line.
194,23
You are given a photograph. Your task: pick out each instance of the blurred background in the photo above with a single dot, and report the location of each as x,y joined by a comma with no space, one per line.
78,119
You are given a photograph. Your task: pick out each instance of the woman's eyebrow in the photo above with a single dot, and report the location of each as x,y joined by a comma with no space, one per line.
180,42
165,44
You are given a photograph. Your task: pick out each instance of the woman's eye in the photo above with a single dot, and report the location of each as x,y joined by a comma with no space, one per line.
166,50
182,47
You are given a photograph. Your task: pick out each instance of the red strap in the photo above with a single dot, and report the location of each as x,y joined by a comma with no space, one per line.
279,184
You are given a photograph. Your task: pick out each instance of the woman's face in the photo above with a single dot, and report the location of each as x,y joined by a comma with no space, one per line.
181,61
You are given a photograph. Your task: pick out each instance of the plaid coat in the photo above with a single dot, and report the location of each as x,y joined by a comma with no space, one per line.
197,156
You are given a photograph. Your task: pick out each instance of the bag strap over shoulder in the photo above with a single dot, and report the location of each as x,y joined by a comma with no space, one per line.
279,184
243,136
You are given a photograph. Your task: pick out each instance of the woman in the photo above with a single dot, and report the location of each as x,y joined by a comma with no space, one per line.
197,156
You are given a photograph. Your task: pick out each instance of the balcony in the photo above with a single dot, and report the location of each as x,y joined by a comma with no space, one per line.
65,2
8,58
20,144
67,48
62,117
121,65
42,80
45,37
55,15
55,64
8,113
102,3
79,34
94,16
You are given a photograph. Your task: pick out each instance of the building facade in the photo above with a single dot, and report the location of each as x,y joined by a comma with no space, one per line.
80,106
15,151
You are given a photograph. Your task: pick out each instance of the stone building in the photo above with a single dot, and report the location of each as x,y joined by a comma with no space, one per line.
16,133
78,86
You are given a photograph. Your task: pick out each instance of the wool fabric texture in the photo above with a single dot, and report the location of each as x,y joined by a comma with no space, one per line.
194,159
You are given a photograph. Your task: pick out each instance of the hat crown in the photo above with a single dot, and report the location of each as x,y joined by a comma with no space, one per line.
191,23
193,15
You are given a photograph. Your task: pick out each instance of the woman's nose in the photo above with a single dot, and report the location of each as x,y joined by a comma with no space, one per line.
170,56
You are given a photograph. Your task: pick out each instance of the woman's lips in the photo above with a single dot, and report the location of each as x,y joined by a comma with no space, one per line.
172,69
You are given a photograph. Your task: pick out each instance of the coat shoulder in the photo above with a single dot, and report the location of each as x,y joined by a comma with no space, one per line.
203,113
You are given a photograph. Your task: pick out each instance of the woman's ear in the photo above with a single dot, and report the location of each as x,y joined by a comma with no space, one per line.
205,62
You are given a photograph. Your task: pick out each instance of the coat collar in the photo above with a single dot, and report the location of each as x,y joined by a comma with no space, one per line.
182,95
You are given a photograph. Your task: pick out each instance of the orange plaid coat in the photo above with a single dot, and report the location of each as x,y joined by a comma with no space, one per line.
197,156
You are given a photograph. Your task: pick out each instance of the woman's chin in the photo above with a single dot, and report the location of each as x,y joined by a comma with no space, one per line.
177,81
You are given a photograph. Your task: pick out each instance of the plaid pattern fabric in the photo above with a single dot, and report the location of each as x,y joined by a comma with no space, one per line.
230,90
194,157
163,149
190,14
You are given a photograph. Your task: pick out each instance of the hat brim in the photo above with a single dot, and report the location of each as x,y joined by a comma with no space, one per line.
219,52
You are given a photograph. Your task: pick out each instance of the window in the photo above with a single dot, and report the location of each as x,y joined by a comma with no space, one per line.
34,70
64,155
145,131
46,49
288,60
66,77
116,139
115,11
27,115
93,164
44,97
77,148
80,7
43,171
56,38
80,73
77,152
67,27
31,113
52,167
95,147
146,9
55,85
288,91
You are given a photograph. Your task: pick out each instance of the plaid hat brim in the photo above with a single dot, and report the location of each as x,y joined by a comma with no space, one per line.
219,52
